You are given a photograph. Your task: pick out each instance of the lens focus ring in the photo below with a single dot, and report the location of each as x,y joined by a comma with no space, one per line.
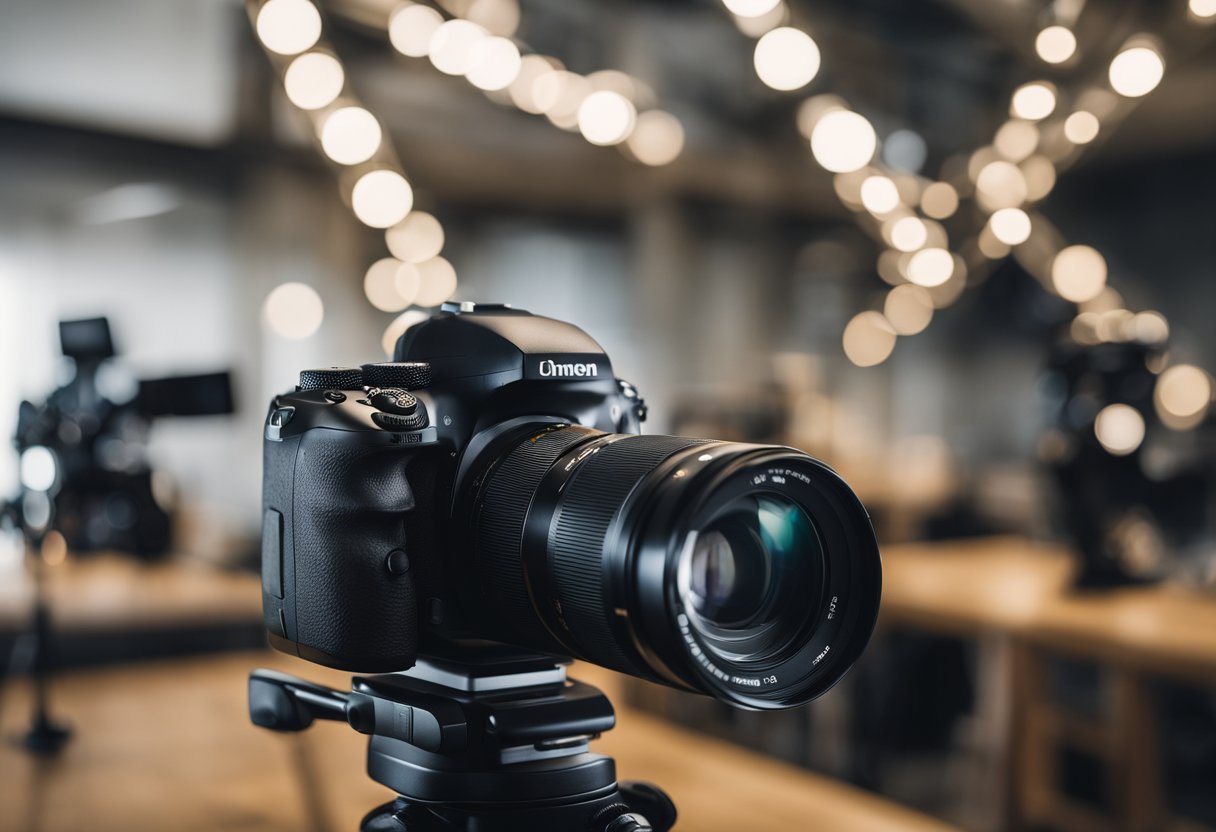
579,533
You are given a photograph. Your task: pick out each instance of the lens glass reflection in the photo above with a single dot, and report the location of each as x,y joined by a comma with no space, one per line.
752,577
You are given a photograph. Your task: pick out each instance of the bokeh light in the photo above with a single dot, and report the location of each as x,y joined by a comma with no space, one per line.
380,285
657,138
350,135
498,17
905,150
1078,273
293,310
879,195
1034,101
939,200
1055,44
451,46
843,141
1203,9
1136,71
1081,127
521,89
930,267
411,28
436,282
815,108
990,246
416,238
559,95
1119,428
908,308
1182,396
868,339
288,27
606,117
1016,139
314,80
614,80
750,8
38,468
1039,174
1151,327
1000,184
407,282
495,64
786,58
1011,226
907,234
381,198
756,26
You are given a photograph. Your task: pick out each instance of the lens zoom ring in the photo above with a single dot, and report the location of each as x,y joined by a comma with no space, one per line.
578,536
503,509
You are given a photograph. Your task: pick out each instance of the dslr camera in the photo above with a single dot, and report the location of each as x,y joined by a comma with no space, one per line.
490,484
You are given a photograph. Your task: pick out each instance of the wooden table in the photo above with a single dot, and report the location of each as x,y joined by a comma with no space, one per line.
109,592
1012,597
1011,585
169,746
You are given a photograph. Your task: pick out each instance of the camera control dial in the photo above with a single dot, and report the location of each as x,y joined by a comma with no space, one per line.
331,378
408,375
392,400
398,409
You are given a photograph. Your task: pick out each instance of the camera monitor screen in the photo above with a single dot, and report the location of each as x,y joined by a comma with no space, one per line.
87,339
209,394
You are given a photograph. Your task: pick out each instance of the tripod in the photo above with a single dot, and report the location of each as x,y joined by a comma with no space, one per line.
484,739
45,734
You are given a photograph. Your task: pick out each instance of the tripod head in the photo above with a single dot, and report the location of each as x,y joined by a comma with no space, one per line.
484,738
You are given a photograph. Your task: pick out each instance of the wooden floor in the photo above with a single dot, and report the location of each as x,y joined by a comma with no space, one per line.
168,746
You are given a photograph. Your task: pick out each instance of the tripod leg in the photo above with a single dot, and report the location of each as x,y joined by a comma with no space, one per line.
45,735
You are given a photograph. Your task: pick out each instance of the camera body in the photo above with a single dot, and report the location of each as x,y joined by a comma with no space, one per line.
366,545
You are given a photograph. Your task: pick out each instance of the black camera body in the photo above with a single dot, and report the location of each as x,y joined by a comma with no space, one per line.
490,483
360,526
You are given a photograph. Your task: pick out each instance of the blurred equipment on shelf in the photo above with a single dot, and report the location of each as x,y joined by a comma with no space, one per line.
84,467
1135,495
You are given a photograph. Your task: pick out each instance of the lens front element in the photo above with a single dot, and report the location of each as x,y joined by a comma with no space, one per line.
750,578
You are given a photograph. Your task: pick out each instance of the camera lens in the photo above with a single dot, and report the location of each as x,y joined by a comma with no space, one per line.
747,572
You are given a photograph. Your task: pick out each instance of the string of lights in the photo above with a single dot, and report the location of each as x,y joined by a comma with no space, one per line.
609,108
477,41
1182,392
371,178
901,209
1003,180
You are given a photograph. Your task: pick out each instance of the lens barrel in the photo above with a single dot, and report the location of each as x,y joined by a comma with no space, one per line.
746,572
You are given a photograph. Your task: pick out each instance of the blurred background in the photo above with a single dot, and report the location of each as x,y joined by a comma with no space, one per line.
963,251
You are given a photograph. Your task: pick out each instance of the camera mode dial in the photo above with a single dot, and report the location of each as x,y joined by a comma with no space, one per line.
331,378
392,400
398,409
408,375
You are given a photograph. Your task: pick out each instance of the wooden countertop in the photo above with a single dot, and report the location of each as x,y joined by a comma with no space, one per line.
109,592
169,746
1016,586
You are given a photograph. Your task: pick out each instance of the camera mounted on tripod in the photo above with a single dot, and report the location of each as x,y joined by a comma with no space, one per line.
489,485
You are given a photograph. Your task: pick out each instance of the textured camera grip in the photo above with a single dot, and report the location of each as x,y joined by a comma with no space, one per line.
349,502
